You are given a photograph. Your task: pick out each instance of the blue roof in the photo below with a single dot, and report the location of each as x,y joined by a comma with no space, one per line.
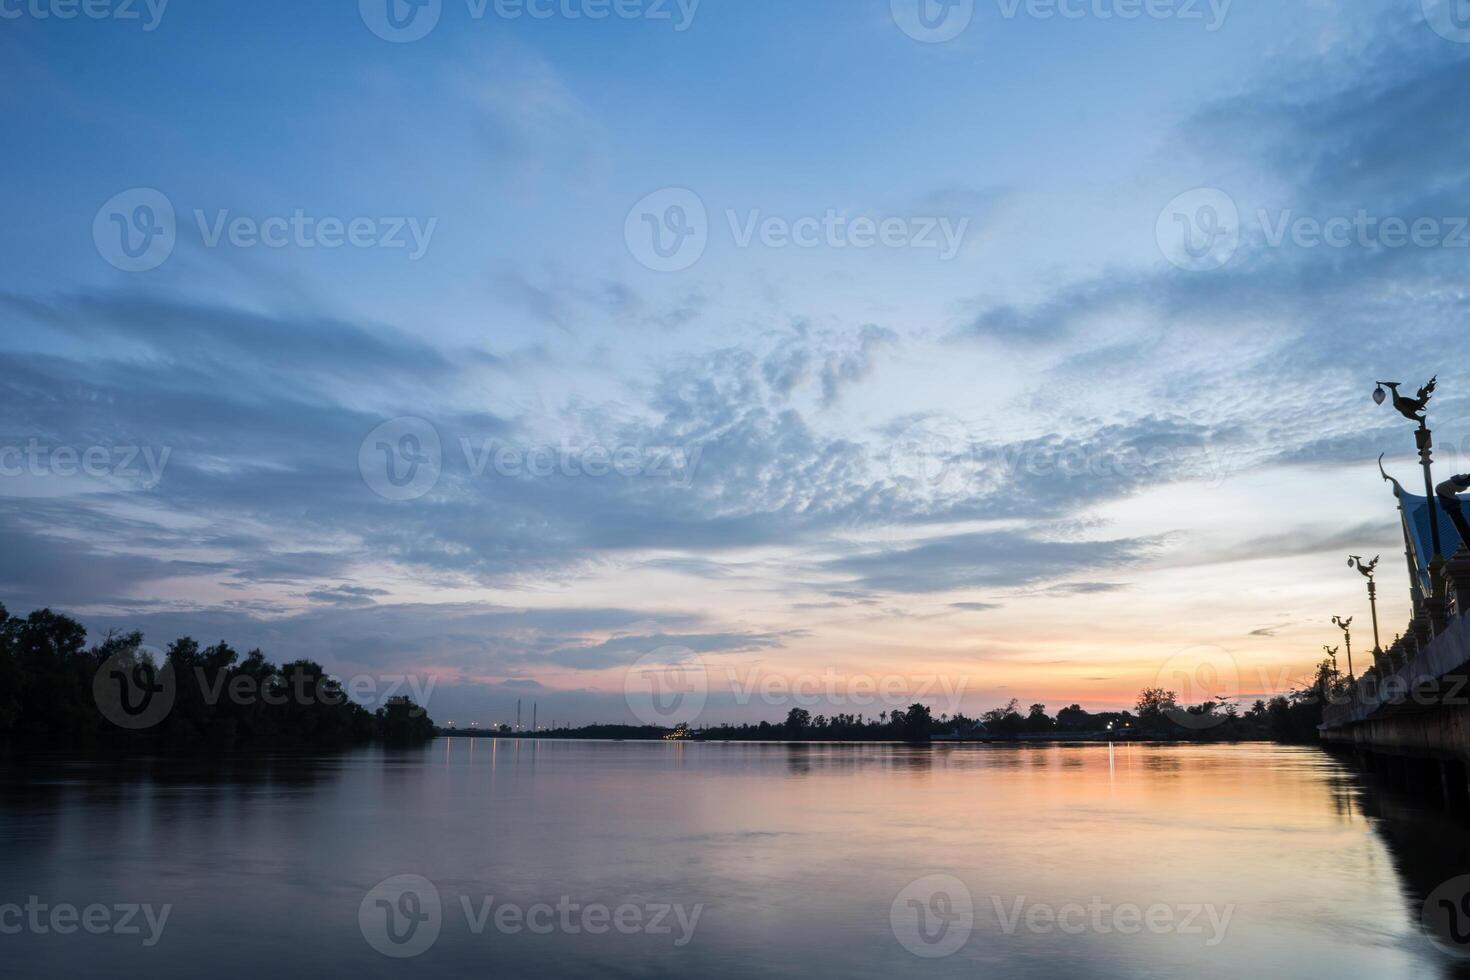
1416,512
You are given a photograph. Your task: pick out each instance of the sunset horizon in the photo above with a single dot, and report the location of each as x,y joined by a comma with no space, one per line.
864,488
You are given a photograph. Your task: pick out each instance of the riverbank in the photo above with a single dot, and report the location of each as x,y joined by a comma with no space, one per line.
1053,738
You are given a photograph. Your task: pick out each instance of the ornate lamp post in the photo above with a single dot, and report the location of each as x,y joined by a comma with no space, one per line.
1332,655
1346,626
1417,410
1367,572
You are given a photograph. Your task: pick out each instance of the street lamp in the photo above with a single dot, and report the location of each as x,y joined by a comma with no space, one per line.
1332,655
1336,682
1346,626
1417,410
1367,572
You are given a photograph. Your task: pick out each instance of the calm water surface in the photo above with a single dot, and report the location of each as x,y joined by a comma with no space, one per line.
798,861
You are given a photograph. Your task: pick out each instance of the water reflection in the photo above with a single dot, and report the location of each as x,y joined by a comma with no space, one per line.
802,858
1429,846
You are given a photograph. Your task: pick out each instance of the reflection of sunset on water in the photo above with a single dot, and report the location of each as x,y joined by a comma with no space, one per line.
810,843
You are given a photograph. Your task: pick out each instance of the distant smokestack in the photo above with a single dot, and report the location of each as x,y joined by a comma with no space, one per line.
534,706
518,714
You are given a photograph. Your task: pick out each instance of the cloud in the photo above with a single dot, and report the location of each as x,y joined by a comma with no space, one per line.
785,368
263,475
465,640
201,338
625,650
846,368
984,558
1303,541
529,120
814,467
1284,341
1085,588
573,304
347,595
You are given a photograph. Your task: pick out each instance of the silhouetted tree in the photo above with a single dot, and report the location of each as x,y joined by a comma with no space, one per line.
918,724
47,677
1073,718
1037,720
401,722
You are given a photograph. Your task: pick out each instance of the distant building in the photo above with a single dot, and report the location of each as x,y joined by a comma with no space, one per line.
974,732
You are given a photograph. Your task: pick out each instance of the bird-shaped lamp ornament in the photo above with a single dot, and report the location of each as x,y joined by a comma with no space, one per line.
1412,409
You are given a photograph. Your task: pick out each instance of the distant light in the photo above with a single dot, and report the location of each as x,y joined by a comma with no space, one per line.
1380,396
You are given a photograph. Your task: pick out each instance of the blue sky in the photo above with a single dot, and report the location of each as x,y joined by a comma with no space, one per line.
1043,466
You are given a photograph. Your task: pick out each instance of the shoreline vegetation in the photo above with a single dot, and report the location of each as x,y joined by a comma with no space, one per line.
56,692
116,697
1290,719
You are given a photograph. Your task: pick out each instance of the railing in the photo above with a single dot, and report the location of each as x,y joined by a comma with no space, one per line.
1445,654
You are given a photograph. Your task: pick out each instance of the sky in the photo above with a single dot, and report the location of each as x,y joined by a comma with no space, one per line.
835,354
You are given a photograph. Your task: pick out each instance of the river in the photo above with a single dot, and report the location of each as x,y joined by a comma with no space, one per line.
494,858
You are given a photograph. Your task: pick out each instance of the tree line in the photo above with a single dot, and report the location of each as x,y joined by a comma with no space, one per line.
914,724
57,692
1157,714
